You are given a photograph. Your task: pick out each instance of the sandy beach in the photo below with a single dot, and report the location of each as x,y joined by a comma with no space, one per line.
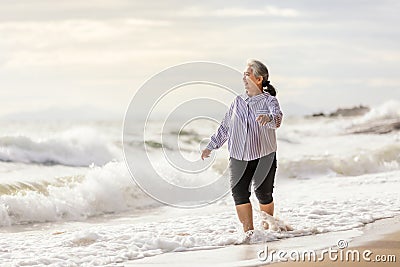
381,237
385,252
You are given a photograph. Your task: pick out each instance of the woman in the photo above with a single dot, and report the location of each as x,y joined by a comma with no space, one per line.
249,126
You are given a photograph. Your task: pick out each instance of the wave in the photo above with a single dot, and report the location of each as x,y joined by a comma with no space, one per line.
76,147
384,159
386,111
102,190
110,188
380,120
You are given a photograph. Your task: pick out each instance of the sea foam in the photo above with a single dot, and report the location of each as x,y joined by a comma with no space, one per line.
105,189
75,147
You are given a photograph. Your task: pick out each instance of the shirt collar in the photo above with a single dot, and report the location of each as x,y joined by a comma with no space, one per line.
248,98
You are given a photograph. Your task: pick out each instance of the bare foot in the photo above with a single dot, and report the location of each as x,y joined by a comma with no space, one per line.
247,236
274,223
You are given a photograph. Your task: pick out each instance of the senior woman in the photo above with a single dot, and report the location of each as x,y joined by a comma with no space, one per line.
249,126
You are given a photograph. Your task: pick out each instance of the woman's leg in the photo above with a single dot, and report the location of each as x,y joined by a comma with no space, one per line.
241,175
265,190
266,197
268,208
245,214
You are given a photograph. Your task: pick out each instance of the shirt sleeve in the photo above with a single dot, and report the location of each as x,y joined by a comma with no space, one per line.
220,137
275,113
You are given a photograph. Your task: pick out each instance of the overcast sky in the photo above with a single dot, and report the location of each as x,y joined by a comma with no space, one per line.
321,54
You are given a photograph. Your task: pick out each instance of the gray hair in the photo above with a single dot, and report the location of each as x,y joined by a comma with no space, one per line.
259,70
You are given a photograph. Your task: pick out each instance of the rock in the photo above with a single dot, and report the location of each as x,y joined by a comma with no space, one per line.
344,112
354,111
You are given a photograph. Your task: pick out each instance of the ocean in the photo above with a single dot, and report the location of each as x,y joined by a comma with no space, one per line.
68,199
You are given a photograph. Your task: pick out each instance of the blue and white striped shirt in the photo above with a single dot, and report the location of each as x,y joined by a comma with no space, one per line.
247,139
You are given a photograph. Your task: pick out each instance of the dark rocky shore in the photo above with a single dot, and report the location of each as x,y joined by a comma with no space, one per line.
382,126
345,112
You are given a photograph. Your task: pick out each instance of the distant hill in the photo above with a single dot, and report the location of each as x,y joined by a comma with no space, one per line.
344,112
80,113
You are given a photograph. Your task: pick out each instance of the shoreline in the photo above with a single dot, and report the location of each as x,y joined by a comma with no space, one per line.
371,235
380,239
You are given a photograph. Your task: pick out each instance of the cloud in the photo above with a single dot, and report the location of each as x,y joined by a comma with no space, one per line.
90,57
93,52
196,11
41,32
383,82
75,41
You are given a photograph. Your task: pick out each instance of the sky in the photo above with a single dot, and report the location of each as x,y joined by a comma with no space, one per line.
74,56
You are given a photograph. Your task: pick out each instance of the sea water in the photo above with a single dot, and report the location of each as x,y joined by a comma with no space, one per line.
67,197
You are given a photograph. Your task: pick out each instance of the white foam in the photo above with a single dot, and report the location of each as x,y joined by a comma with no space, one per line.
309,207
76,147
346,163
386,111
107,189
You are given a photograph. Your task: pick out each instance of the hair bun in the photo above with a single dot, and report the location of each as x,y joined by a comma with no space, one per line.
266,83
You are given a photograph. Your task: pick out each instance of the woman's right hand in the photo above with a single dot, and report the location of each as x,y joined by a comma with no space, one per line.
205,154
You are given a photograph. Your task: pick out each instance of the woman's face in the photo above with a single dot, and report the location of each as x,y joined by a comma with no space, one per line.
252,84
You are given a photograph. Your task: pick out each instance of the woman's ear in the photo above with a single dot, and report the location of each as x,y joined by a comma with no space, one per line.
259,80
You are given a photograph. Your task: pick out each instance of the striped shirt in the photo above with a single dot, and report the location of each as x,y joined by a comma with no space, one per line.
247,139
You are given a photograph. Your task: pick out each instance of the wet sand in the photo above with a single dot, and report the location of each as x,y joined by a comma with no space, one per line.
386,248
381,237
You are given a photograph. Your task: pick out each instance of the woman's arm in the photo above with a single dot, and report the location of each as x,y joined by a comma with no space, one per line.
220,137
275,114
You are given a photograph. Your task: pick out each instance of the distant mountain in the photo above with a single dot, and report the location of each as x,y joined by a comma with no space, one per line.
345,112
80,113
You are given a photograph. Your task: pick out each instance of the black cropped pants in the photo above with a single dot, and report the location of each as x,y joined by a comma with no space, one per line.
260,171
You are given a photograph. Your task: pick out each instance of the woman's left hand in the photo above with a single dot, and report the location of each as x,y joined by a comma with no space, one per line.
263,119
205,154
